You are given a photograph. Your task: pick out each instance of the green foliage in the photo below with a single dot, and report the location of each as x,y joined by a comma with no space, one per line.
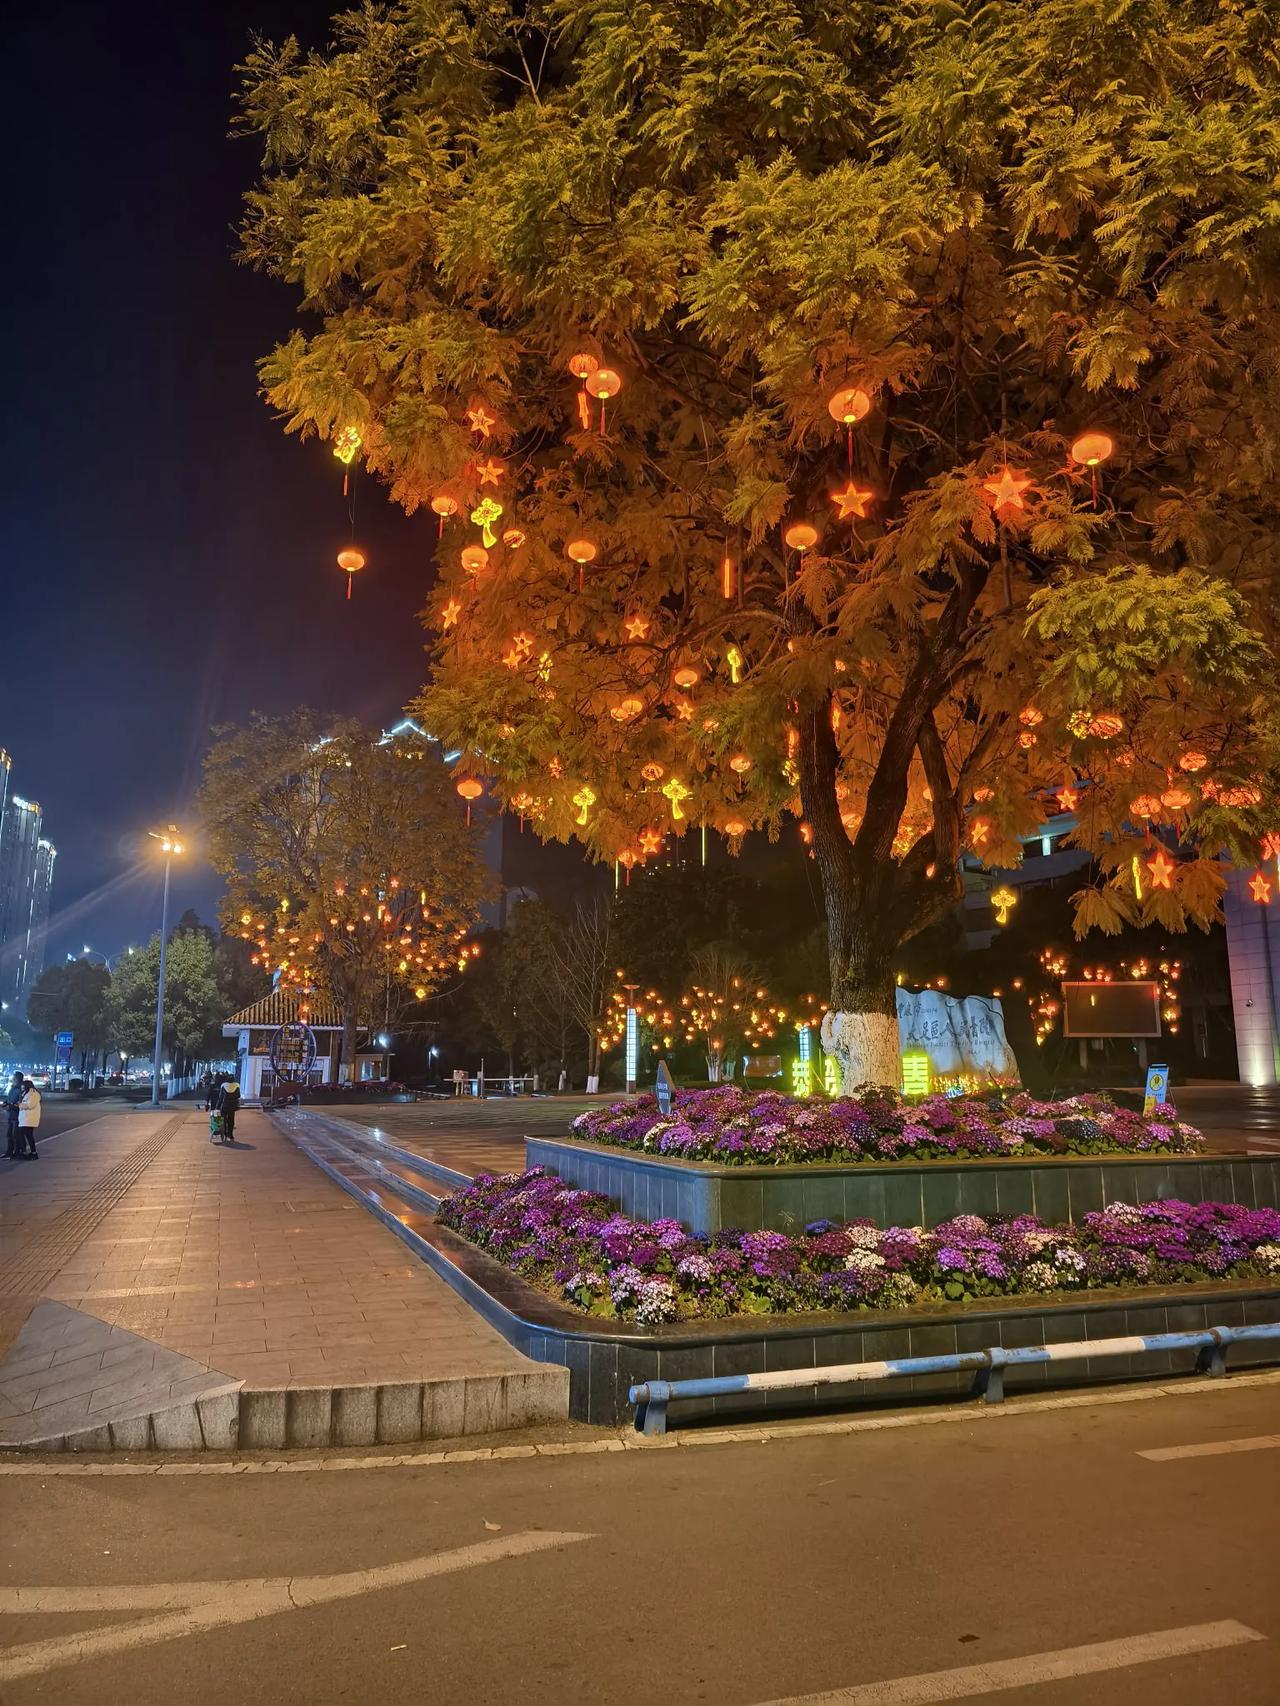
73,996
1005,222
193,1005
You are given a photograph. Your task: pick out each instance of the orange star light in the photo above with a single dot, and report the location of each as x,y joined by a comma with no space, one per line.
1260,888
650,841
491,470
684,710
450,614
637,627
852,501
480,420
1006,489
1068,799
1161,868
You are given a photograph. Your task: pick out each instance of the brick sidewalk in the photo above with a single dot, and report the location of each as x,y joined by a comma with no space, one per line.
471,1136
245,1259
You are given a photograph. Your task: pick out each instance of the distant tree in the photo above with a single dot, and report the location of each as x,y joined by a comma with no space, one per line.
725,1006
193,1007
583,958
348,863
75,997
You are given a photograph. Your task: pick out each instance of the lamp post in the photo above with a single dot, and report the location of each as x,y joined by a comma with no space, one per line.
170,844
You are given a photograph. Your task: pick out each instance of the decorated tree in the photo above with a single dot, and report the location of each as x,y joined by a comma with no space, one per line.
862,414
726,1007
348,863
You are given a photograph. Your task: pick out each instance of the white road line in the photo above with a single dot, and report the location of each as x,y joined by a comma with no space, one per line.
191,1608
215,1463
1216,1448
1000,1674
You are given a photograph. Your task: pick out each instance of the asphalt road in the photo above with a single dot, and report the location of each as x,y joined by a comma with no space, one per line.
726,1573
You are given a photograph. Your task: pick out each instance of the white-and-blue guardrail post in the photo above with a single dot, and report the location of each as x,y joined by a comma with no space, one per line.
988,1366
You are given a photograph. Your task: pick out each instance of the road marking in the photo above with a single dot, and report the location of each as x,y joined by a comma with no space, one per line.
1000,1674
215,1463
192,1608
1216,1448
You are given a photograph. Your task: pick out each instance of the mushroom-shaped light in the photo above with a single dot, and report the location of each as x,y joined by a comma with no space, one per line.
801,536
740,763
474,558
1091,448
848,405
604,383
444,506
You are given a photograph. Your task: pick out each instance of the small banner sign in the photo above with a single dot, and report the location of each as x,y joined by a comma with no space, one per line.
663,1085
1157,1090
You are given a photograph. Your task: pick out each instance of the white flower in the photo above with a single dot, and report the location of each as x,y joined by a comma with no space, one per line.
1267,1256
863,1261
863,1237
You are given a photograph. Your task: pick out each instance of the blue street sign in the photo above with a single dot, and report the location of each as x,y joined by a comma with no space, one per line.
65,1039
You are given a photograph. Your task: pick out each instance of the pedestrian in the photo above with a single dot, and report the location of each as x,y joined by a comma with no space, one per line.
208,1085
29,1117
226,1102
12,1096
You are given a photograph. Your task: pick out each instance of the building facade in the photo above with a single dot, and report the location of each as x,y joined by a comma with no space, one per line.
26,879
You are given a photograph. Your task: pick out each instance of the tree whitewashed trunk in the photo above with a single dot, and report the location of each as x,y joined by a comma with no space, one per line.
867,1047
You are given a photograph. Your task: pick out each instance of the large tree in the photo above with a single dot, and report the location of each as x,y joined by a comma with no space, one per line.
193,1005
73,996
844,284
348,863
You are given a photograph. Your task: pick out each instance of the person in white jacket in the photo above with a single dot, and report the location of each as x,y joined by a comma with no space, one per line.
28,1119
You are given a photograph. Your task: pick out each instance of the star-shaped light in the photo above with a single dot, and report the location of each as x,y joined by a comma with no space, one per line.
684,710
450,614
480,420
650,841
490,471
1068,799
852,501
1161,868
1260,888
1006,489
637,627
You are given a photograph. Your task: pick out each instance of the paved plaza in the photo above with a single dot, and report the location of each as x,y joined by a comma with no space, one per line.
244,1259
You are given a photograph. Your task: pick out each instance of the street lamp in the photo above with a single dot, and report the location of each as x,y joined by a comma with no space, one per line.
170,844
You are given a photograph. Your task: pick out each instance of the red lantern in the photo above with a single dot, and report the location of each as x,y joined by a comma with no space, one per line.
686,676
474,558
352,561
849,405
581,552
1175,799
470,789
582,366
602,384
444,506
1145,805
1090,450
801,536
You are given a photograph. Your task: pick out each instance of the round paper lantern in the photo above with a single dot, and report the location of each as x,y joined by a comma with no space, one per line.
801,536
474,558
583,365
352,561
626,710
1091,448
513,538
848,405
1145,805
652,772
735,827
604,383
740,763
1175,799
686,676
1192,761
470,788
581,551
444,505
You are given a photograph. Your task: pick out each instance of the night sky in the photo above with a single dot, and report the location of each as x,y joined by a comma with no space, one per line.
170,555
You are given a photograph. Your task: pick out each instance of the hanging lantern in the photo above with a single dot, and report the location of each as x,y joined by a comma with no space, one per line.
513,539
801,536
686,676
652,772
352,561
627,710
345,446
849,405
1145,805
470,789
1090,450
490,471
1027,738
481,421
740,763
474,558
1245,795
603,384
581,552
735,827
1192,761
1175,799
582,366
1271,844
1030,717
444,506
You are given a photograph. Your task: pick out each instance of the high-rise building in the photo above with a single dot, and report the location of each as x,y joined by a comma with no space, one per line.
26,876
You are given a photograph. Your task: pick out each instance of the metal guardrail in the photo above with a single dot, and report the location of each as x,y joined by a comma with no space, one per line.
652,1398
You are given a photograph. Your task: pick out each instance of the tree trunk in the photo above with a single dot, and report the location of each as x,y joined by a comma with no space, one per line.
715,1058
347,1060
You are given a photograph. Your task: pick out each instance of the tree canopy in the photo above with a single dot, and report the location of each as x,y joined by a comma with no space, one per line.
349,867
745,356
72,996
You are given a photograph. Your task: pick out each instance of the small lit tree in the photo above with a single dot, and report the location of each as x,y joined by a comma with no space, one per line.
348,863
726,1007
864,412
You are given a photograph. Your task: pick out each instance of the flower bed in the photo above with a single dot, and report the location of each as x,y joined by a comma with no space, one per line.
739,1127
574,1245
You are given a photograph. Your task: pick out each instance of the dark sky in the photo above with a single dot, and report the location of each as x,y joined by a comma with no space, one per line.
169,560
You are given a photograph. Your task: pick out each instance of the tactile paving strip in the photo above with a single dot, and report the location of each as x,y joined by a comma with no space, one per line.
42,1258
